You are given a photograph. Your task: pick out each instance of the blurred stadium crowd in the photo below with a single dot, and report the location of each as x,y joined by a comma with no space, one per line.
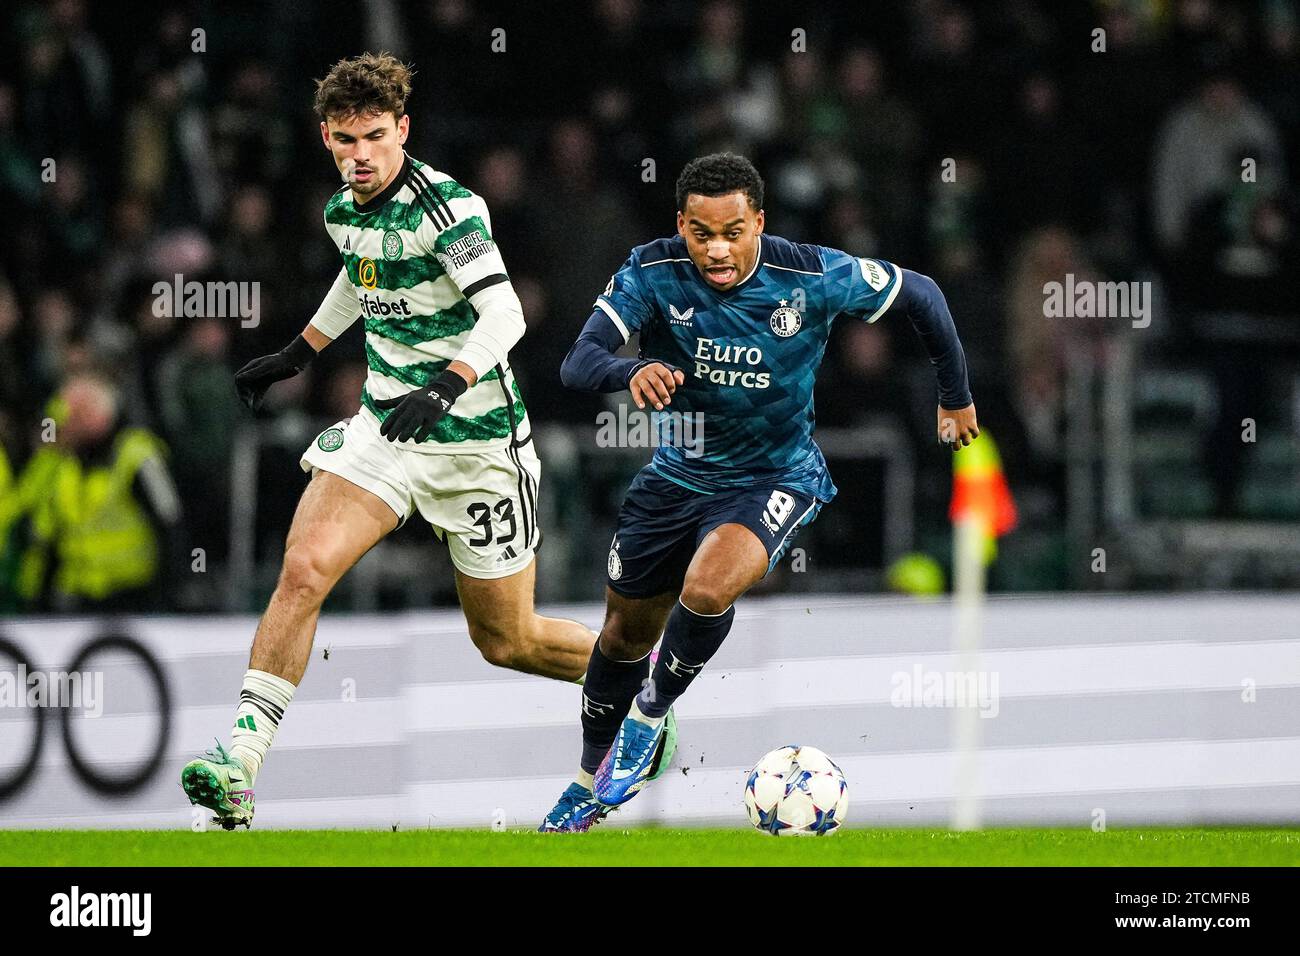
1124,164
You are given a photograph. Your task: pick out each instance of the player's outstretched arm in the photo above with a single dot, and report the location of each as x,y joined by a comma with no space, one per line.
336,313
926,308
592,366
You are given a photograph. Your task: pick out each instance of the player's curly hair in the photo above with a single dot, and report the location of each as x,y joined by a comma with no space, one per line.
718,174
366,84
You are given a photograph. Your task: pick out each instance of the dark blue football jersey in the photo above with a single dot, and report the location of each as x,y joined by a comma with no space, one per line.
750,355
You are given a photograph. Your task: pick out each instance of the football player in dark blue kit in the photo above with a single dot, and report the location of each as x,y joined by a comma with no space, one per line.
733,324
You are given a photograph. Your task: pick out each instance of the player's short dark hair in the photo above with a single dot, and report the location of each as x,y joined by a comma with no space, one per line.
718,174
366,84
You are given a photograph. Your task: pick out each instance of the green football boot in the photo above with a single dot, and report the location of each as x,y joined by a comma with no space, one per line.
667,747
219,782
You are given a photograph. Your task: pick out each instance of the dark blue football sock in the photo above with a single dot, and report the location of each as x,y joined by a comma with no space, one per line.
606,698
690,639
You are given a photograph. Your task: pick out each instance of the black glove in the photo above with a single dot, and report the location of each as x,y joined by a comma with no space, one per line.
252,381
419,411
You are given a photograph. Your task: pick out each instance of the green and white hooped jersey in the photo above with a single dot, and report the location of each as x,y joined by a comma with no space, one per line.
414,255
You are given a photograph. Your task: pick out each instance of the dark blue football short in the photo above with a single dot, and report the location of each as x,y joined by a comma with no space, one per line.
661,524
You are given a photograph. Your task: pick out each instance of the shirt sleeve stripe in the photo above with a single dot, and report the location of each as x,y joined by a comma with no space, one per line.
483,283
893,294
613,317
430,197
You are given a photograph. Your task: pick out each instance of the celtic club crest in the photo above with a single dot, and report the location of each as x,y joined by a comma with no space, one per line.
392,245
331,439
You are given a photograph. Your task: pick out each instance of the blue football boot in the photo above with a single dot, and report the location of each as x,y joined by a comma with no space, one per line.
576,812
626,768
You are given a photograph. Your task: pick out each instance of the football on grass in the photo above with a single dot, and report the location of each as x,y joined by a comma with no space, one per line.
797,790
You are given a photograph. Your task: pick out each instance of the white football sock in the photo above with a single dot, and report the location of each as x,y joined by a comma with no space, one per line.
585,779
262,703
635,714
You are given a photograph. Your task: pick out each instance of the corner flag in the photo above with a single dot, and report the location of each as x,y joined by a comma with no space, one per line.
981,510
980,493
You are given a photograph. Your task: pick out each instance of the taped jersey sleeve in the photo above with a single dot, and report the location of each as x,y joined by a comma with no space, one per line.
499,326
339,309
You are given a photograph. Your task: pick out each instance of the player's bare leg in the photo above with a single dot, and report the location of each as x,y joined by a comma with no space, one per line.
633,625
729,561
509,632
335,524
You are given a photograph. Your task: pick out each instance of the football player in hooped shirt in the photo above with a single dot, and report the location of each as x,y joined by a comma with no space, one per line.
733,324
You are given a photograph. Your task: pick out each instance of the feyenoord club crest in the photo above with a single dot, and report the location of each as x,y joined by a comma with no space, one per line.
392,245
786,320
615,565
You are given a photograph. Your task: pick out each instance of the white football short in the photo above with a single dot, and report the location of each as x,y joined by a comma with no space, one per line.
483,504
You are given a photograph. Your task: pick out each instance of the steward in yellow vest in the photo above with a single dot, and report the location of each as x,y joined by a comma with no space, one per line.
95,506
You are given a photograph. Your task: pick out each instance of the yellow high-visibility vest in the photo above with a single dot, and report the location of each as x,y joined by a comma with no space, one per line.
28,497
89,522
8,493
8,516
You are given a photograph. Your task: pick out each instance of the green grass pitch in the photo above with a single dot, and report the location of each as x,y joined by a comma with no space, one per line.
610,846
